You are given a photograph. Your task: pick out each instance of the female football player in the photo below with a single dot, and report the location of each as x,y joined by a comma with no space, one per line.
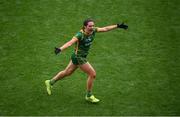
82,40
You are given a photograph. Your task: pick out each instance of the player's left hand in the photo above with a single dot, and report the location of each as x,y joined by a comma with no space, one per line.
57,50
122,25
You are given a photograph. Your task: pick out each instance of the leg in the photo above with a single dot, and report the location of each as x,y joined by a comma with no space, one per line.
68,71
87,68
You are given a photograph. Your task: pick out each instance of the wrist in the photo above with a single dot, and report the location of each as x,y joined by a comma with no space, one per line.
60,49
118,25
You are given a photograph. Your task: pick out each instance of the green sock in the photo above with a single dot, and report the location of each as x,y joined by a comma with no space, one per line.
52,81
89,93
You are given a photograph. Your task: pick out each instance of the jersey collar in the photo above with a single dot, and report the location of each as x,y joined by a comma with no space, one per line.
85,32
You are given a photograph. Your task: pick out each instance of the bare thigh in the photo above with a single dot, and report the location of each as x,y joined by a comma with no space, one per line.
87,68
70,68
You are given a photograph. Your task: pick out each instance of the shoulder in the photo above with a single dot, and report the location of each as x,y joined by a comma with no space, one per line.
95,29
79,35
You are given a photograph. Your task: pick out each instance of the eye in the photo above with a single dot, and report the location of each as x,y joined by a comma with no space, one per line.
91,26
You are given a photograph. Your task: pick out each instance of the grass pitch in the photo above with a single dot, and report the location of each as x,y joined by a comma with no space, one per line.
137,70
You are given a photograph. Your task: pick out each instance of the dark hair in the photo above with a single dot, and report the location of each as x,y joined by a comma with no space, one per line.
85,23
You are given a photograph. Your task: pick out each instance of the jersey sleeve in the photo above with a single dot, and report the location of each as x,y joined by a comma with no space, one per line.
78,35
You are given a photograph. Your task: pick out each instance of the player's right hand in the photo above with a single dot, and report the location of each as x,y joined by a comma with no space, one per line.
57,50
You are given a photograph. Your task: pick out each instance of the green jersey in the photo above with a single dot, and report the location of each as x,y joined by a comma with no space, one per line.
84,42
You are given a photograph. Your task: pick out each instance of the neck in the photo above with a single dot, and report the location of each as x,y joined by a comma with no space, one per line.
87,32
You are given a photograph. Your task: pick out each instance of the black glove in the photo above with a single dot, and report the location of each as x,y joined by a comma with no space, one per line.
57,50
122,25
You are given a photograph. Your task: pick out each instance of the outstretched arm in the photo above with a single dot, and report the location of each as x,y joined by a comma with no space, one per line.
111,27
66,45
69,43
107,28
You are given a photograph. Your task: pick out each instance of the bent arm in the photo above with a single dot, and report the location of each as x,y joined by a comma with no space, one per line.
69,43
107,28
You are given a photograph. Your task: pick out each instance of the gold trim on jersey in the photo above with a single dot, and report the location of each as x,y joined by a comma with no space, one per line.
77,47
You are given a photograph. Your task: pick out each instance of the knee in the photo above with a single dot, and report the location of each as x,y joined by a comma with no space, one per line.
93,75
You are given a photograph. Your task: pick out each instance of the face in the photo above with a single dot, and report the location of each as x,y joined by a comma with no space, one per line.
90,26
